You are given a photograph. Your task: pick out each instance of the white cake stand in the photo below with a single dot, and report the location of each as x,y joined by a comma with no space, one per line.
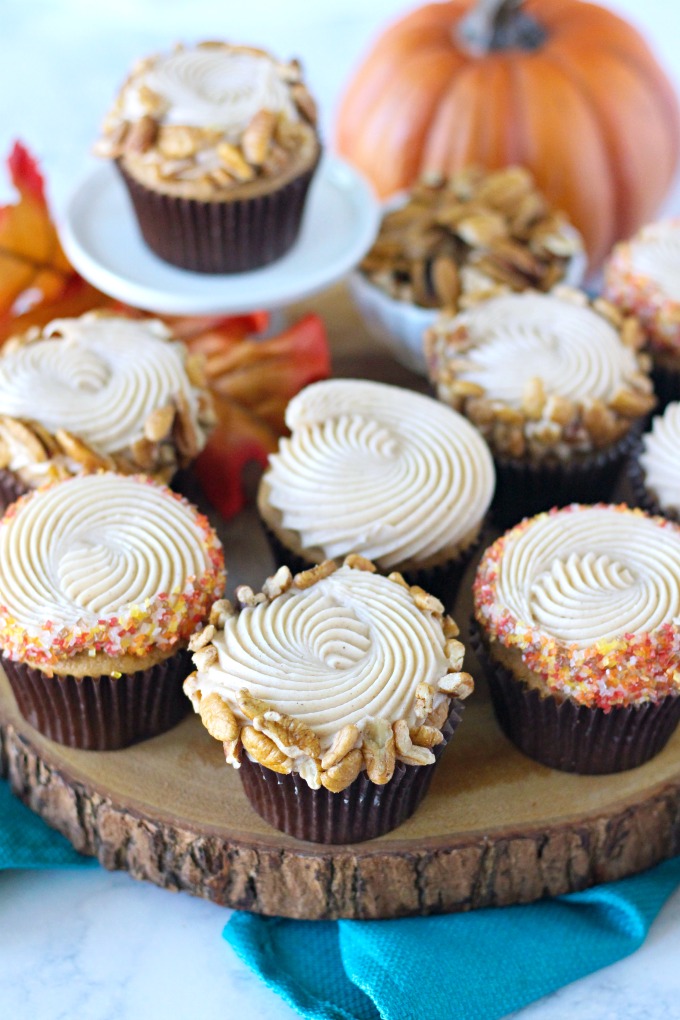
101,238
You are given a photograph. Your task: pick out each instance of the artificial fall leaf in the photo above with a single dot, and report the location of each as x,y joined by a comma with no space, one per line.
34,272
252,381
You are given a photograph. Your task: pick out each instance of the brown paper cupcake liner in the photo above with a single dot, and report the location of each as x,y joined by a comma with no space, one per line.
571,737
102,713
666,384
523,490
362,811
11,488
642,496
220,237
442,581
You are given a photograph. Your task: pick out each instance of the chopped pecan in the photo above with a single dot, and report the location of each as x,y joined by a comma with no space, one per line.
306,578
457,685
278,583
342,744
159,423
339,776
358,562
264,751
378,751
218,718
201,638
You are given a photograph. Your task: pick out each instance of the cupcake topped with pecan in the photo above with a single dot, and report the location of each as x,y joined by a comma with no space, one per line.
99,392
336,671
543,376
212,121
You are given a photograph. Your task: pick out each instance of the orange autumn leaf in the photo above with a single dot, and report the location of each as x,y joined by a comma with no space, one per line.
34,272
252,380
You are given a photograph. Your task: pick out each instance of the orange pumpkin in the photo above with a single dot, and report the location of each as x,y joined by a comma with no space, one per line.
566,88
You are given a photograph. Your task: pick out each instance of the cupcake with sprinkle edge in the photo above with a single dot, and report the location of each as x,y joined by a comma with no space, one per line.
577,612
103,579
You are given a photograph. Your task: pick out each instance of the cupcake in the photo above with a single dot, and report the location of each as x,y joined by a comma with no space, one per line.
380,471
655,473
101,392
556,387
334,693
642,277
103,579
473,235
217,145
578,614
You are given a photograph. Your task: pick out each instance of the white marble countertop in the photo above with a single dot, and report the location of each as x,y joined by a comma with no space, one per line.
85,944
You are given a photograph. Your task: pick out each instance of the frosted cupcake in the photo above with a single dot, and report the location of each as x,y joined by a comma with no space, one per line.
101,392
103,579
380,471
217,145
334,693
642,277
655,473
557,388
578,611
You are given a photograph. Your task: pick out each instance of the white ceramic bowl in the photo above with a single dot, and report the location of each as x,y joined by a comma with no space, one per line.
398,325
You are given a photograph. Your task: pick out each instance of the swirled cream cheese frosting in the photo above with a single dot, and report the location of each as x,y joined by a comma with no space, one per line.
587,602
340,670
660,461
204,121
100,391
376,470
541,374
642,277
104,563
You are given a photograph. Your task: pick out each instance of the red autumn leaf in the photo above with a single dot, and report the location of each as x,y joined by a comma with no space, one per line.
252,382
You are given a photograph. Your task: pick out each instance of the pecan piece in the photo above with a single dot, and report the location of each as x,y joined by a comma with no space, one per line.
343,742
358,562
141,136
159,423
306,578
339,776
218,718
378,751
257,137
79,451
265,752
457,685
201,638
278,583
234,163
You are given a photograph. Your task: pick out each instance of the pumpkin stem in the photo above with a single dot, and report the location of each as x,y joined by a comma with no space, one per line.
499,25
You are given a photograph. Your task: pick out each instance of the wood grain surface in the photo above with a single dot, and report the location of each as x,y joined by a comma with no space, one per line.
495,828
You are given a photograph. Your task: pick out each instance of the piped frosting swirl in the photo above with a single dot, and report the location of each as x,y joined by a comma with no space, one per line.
100,378
380,471
542,375
214,87
328,673
104,563
590,597
660,460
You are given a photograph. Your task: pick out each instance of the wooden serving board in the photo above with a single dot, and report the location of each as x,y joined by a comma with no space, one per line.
496,828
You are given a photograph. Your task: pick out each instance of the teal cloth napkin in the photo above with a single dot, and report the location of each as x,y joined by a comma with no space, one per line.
477,966
27,842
